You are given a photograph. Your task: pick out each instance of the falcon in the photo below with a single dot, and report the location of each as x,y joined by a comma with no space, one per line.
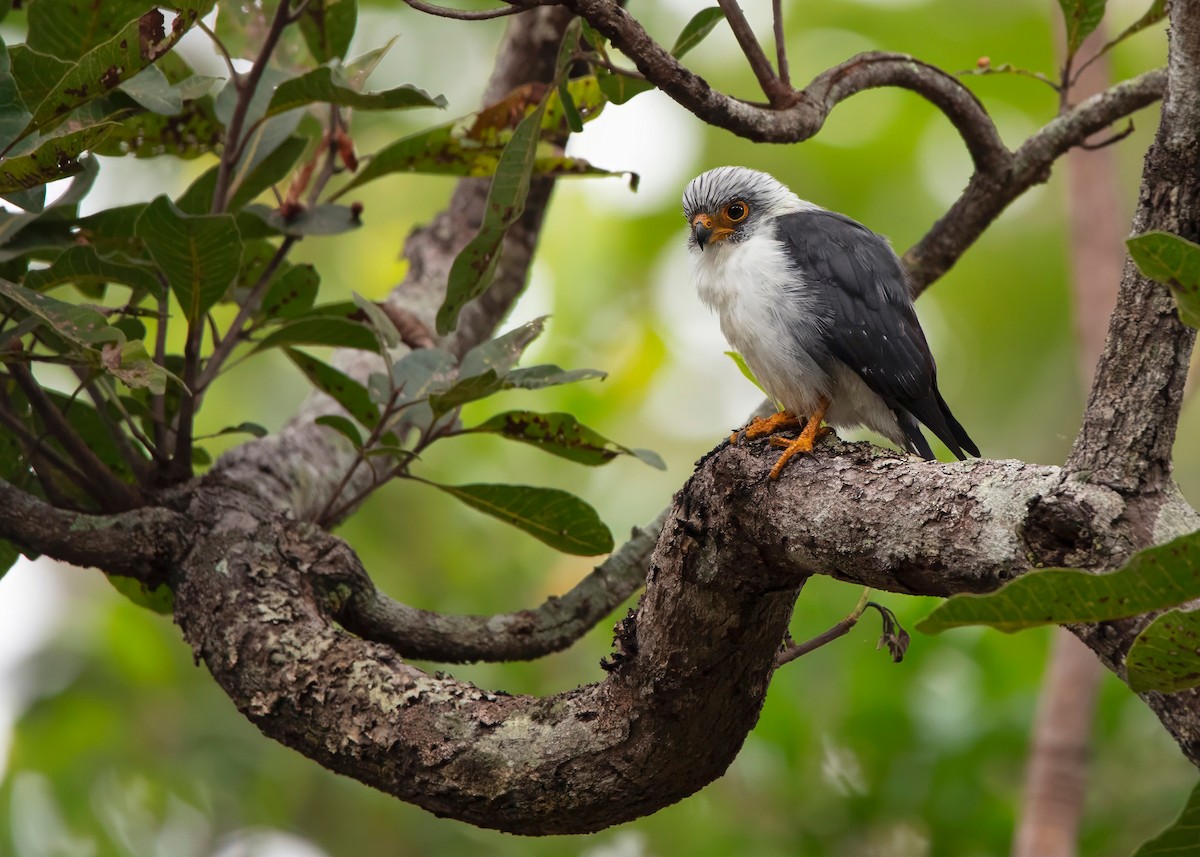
820,308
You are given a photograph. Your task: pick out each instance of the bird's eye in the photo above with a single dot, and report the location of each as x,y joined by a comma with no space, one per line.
736,211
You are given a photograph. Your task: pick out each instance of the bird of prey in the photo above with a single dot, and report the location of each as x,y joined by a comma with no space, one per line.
819,307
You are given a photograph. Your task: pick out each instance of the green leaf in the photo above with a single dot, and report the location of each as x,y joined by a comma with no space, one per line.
1081,17
36,74
694,32
557,518
503,352
383,327
740,362
619,88
473,269
13,115
549,375
321,86
252,429
131,364
54,158
1153,579
116,60
328,26
333,331
346,428
1174,262
159,600
199,254
8,557
151,89
343,389
197,199
562,435
1166,655
83,265
467,390
423,372
1156,13
68,29
189,133
1178,840
324,219
79,325
472,145
358,70
292,293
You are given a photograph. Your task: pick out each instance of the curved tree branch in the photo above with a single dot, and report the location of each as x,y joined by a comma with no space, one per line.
524,635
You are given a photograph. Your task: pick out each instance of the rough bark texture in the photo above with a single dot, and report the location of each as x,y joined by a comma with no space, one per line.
268,601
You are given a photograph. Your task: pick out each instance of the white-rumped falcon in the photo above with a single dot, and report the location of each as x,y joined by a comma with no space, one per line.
819,307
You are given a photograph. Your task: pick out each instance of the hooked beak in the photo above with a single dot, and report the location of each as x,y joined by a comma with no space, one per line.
702,229
706,232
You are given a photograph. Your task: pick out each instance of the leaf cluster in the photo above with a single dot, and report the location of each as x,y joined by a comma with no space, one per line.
147,305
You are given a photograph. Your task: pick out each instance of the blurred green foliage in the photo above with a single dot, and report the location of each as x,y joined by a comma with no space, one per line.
125,747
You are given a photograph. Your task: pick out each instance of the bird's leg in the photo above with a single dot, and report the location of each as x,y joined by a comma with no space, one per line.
803,443
760,427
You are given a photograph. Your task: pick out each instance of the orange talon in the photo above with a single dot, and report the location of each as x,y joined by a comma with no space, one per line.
760,427
804,443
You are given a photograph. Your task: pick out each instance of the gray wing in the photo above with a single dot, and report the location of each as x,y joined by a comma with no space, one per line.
874,328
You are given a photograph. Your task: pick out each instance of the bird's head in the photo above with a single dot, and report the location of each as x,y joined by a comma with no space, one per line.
731,204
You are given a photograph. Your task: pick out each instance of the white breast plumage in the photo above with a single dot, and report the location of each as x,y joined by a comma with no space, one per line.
768,313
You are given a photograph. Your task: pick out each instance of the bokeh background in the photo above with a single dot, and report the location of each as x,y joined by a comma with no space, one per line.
112,741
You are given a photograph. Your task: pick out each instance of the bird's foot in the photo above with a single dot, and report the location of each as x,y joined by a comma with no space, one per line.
802,444
761,427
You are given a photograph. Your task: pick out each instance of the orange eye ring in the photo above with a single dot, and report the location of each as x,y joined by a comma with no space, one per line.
737,211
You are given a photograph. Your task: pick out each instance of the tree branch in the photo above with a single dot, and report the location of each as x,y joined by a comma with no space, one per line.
1133,410
777,92
143,543
523,635
988,194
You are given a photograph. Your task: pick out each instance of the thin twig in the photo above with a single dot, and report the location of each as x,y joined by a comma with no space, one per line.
137,463
777,93
613,67
233,335
246,86
792,650
37,449
780,43
114,493
463,14
220,46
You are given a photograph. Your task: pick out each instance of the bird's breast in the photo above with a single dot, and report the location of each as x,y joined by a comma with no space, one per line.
769,313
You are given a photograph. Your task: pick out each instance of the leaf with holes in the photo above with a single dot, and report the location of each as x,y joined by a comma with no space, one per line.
562,435
54,158
1174,262
79,325
116,60
199,254
1166,655
1154,579
343,389
554,517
